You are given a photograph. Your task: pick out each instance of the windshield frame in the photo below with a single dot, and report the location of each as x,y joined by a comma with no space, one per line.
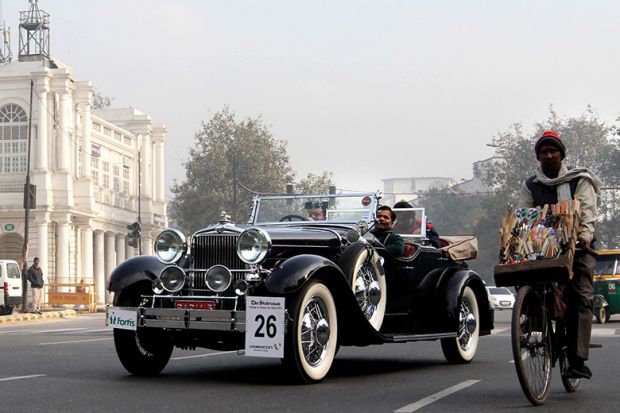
375,197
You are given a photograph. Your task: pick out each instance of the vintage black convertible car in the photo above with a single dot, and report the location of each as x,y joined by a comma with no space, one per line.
288,287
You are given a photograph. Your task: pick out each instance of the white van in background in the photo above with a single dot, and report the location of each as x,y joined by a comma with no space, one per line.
11,286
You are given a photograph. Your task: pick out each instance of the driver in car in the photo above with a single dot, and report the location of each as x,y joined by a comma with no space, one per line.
393,243
316,211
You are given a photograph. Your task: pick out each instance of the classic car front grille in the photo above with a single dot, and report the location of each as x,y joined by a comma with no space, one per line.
215,249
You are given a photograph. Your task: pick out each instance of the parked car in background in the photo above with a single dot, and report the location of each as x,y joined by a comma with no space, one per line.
11,283
501,298
285,286
607,285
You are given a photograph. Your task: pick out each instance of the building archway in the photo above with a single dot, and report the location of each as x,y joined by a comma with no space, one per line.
11,245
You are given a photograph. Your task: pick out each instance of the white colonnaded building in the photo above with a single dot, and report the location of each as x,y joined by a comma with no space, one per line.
95,171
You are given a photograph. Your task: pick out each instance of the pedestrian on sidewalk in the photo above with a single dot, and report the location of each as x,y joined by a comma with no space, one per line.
35,276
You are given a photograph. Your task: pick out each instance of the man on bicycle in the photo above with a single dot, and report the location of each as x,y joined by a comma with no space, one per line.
553,182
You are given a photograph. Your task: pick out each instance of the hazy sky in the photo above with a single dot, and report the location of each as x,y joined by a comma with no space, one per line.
366,89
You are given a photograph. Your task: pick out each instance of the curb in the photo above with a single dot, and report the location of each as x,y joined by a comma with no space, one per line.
14,318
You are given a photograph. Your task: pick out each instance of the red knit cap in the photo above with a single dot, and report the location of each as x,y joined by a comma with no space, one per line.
550,138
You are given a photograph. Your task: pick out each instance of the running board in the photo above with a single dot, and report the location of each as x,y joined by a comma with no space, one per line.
403,338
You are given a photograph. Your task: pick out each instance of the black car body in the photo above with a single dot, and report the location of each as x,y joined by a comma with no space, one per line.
284,286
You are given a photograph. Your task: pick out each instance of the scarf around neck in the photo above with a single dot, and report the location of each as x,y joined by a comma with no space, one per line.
566,175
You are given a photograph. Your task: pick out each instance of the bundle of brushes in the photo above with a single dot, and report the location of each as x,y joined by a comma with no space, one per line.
539,233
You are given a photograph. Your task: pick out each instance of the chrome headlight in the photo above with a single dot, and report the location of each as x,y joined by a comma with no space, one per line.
218,278
253,245
170,246
172,278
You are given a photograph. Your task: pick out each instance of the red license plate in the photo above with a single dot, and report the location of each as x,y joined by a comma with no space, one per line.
196,305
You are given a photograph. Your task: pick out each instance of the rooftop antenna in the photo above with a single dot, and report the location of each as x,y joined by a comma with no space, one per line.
5,50
34,35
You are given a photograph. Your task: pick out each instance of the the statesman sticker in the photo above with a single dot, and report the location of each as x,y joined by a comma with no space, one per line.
264,333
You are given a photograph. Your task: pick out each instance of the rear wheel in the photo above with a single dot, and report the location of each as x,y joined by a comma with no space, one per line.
531,345
6,310
360,263
462,349
570,385
145,351
311,340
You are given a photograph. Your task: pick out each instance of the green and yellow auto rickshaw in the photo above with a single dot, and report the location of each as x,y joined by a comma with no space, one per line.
607,285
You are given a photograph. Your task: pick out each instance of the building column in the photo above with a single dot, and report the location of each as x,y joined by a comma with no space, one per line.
129,251
86,141
120,249
42,234
62,252
147,245
64,153
99,270
109,260
146,166
86,235
41,137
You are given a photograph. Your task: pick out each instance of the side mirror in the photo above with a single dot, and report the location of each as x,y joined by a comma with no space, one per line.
361,227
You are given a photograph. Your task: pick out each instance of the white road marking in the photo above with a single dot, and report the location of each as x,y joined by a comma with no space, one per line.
203,355
603,331
32,376
499,330
434,397
16,331
61,330
75,341
98,330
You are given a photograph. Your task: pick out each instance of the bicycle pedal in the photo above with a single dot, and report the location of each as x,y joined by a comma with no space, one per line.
596,346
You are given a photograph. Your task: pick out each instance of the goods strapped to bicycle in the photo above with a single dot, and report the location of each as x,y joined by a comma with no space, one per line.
537,245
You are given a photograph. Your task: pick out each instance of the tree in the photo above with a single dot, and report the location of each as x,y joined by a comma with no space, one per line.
315,184
100,101
231,161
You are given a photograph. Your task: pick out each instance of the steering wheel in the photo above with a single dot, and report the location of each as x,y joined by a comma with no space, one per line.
292,217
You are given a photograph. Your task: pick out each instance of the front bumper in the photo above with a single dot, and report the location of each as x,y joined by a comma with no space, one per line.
191,319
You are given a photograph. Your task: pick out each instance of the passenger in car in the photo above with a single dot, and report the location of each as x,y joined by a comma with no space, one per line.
393,243
415,224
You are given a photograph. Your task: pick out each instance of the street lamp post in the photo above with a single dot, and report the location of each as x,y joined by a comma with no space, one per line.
27,194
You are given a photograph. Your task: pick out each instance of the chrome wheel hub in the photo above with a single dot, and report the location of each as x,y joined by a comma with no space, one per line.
367,291
315,331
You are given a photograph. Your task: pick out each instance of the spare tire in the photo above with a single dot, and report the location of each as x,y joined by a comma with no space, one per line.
362,266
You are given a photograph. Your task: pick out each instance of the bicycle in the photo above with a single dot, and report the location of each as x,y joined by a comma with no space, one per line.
539,341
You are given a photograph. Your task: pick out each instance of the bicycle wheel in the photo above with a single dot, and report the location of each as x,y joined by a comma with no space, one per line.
570,385
531,345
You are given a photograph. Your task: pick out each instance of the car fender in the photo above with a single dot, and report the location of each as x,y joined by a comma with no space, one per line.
293,273
600,301
134,270
453,284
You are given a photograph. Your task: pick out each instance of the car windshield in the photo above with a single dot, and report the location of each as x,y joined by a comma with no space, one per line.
605,265
499,291
341,208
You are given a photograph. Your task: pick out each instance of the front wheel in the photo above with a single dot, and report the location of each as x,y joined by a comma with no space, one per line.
311,340
462,349
602,315
531,345
142,352
145,351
